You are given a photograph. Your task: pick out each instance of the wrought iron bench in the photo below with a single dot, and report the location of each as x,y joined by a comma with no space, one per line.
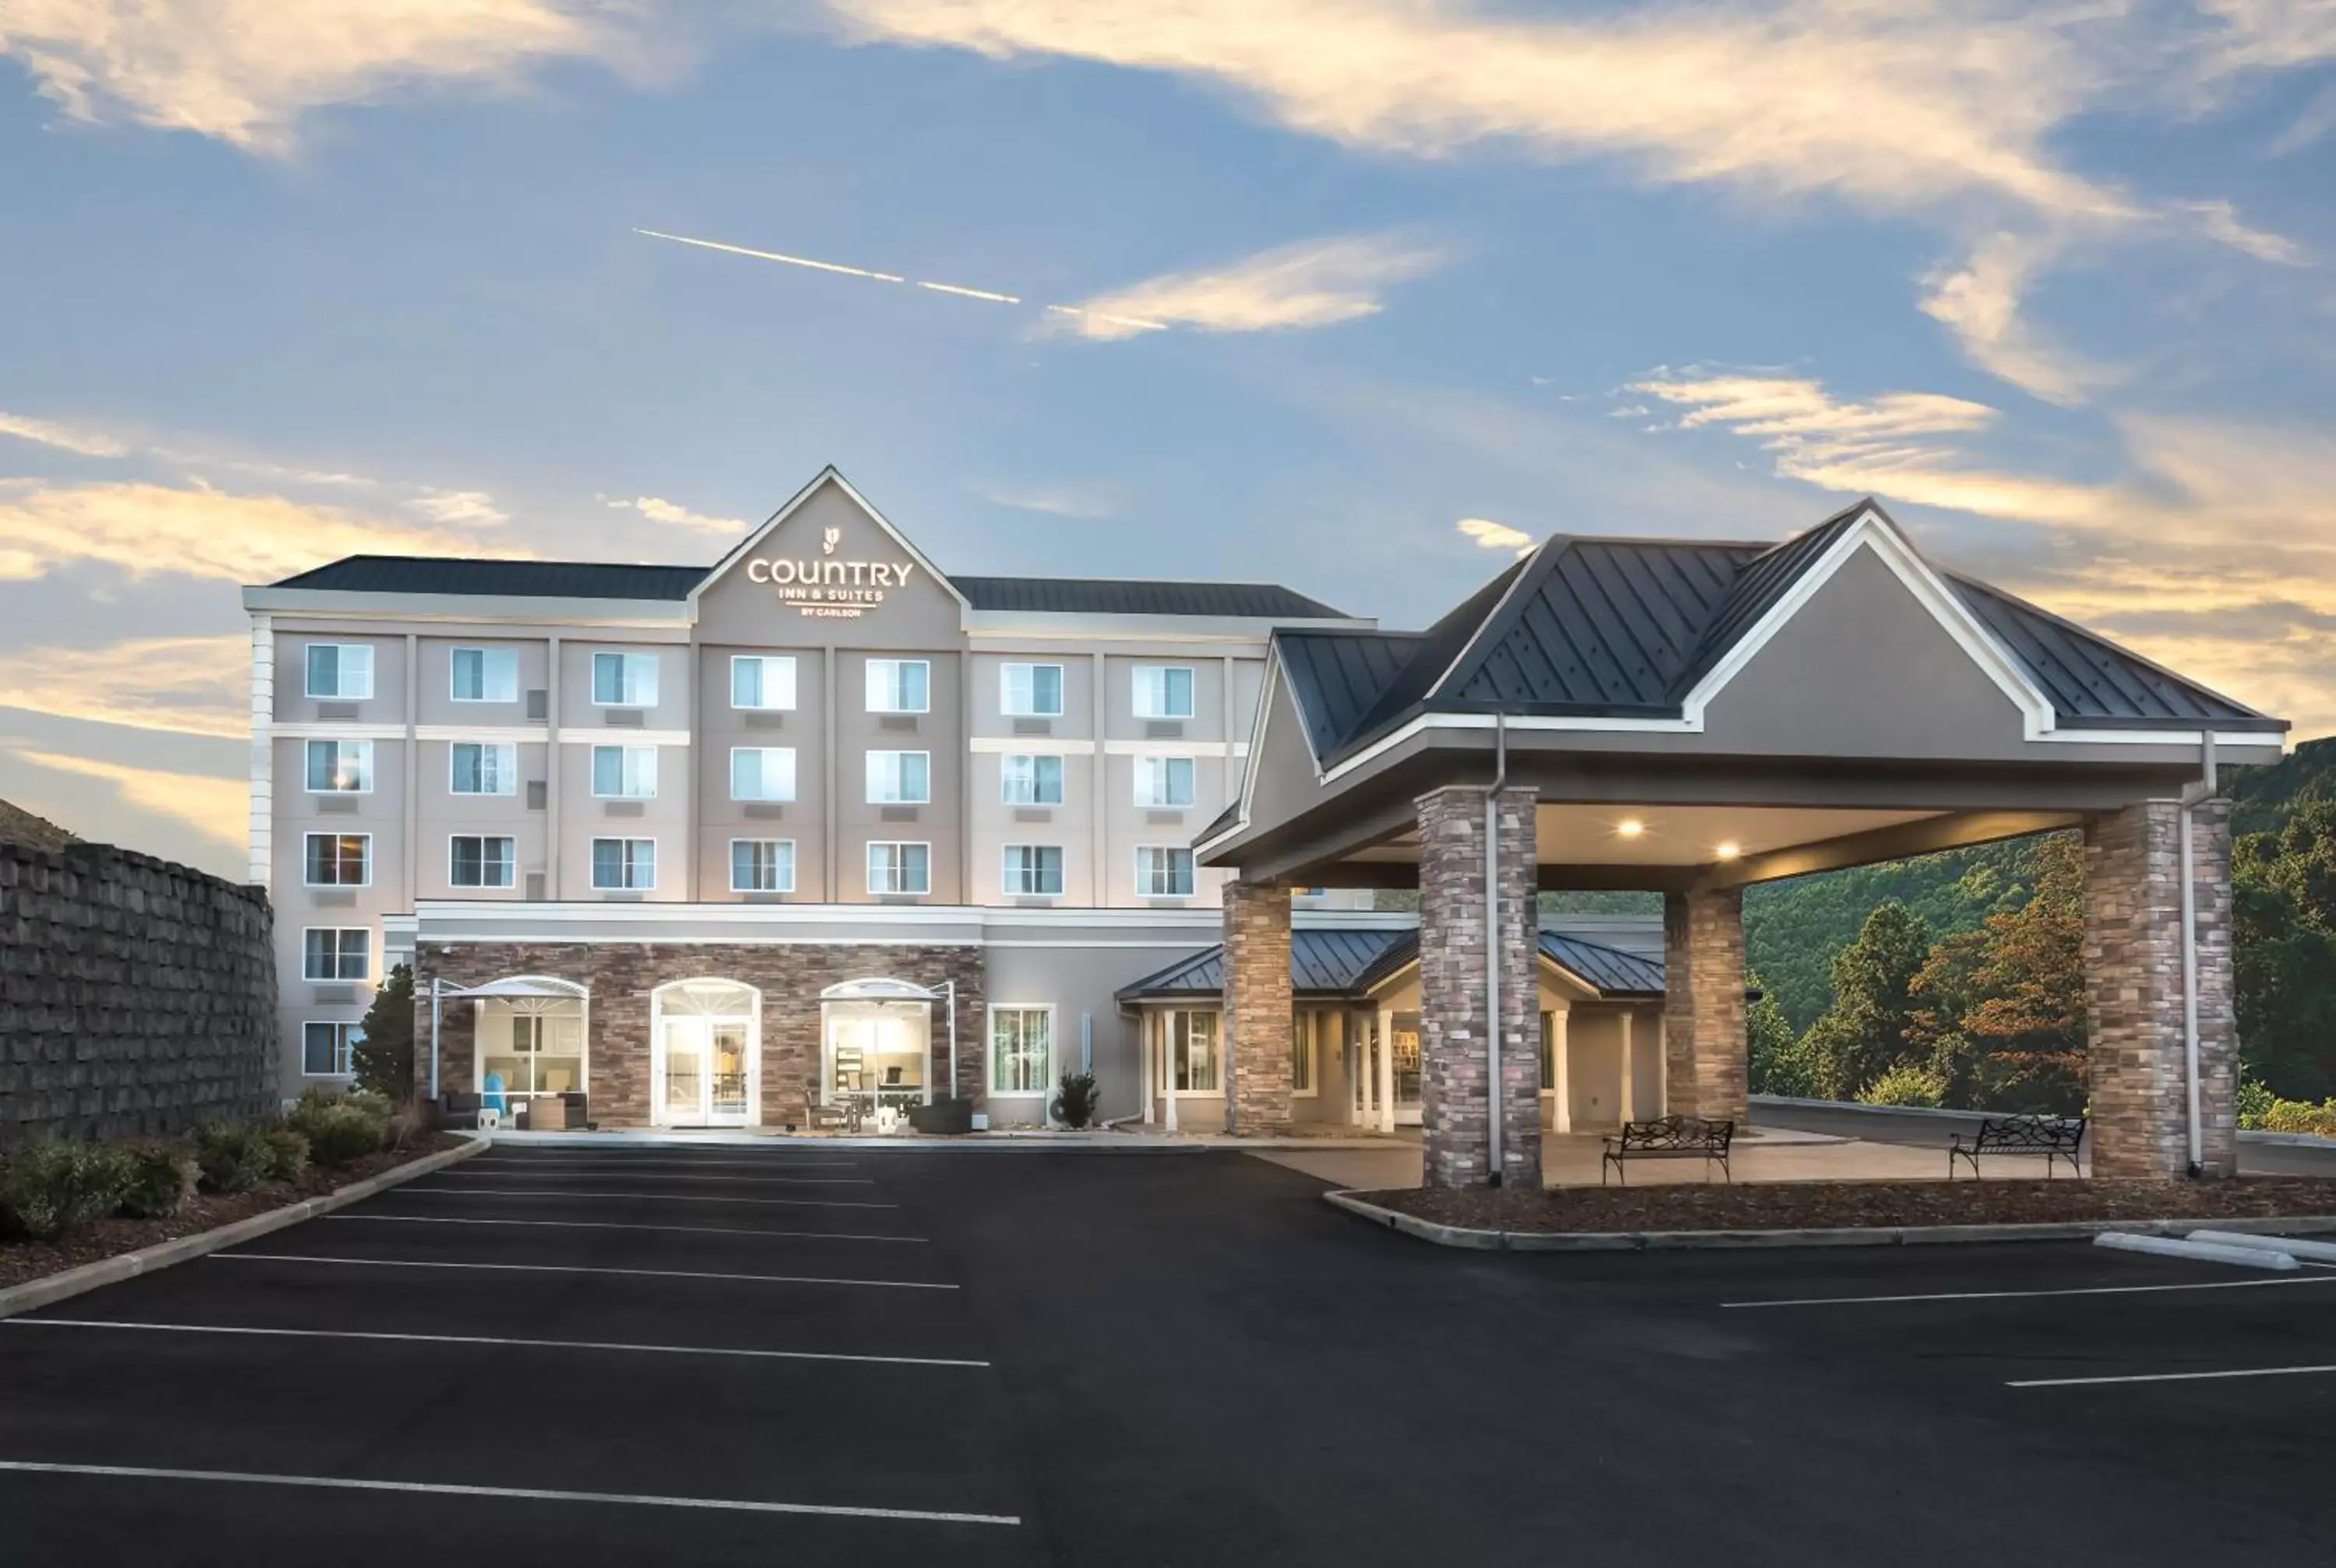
1668,1138
2054,1137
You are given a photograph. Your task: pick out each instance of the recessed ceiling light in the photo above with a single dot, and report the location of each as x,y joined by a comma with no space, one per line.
1730,849
1629,827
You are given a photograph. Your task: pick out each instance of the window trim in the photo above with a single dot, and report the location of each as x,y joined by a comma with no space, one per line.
1006,867
510,838
365,882
1166,1086
512,773
1004,778
351,1032
868,779
308,672
1046,1077
788,886
1143,764
592,863
593,763
485,653
795,690
868,673
794,778
1136,690
868,862
594,681
364,789
1006,685
307,978
1193,890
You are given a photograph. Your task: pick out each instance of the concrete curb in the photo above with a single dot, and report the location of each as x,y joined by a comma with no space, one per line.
1862,1236
993,1143
53,1287
2291,1140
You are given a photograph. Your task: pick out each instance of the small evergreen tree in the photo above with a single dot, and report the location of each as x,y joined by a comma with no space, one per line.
1864,1033
1777,1063
383,1059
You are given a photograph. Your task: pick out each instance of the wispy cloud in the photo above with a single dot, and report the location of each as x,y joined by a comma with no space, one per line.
2219,222
659,509
1054,500
179,685
63,437
1490,535
1316,283
218,808
149,528
1981,303
459,507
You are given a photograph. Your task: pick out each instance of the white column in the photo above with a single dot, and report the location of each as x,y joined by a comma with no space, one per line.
263,749
1387,1071
1168,1068
1629,1094
1562,1075
1663,1067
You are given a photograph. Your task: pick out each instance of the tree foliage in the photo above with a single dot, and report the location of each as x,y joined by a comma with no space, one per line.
1865,1031
2283,930
384,1060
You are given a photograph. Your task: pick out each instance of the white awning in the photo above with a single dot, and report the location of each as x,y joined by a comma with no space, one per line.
520,986
878,990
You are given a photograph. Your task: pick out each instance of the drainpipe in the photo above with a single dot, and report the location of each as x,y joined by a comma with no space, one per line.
2193,795
433,1039
1493,939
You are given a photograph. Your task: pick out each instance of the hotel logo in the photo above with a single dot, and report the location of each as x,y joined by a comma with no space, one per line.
826,588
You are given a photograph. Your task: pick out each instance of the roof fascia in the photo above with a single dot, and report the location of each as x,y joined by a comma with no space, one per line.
830,473
516,609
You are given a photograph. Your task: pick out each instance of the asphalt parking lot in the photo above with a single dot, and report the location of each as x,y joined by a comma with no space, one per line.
723,1355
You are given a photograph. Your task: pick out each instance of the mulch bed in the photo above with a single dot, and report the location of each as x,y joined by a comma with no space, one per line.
22,1259
1827,1205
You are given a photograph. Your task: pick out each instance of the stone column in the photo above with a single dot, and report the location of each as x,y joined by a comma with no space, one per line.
1258,1014
1454,934
2135,1050
1707,1066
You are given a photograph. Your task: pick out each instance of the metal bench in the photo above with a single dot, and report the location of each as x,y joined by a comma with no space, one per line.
2054,1137
1668,1138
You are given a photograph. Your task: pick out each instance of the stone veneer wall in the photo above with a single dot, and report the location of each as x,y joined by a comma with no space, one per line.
1706,1060
136,996
1455,1121
621,977
2134,1046
1258,1015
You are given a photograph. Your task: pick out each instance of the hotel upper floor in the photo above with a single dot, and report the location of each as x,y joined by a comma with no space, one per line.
821,717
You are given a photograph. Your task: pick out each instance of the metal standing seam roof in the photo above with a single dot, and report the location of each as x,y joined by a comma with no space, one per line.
2088,680
1347,964
604,580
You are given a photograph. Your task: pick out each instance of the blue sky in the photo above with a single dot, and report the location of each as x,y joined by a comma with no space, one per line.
1356,295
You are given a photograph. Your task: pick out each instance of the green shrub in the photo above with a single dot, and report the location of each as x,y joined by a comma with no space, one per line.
50,1187
2301,1116
341,1128
2254,1102
287,1153
1075,1100
1906,1084
161,1180
232,1159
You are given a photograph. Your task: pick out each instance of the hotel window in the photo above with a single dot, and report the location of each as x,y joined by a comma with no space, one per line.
762,682
340,766
480,860
1189,1059
328,954
624,772
762,773
485,673
898,867
1309,1030
1032,781
1164,691
1163,781
1021,1047
339,860
341,671
1031,690
624,865
625,679
483,767
900,685
1034,871
1549,1050
532,1053
325,1049
1163,871
762,865
899,777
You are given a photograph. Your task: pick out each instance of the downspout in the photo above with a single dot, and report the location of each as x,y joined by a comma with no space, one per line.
1493,936
2193,795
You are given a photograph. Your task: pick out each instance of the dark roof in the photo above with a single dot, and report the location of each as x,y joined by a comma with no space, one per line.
601,579
1328,963
1625,627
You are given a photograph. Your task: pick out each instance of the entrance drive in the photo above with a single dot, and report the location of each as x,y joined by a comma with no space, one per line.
706,1066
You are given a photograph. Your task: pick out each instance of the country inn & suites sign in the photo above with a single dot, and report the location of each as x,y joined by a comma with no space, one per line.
828,588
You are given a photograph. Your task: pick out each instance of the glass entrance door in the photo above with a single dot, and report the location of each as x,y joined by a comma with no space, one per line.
704,1067
684,1088
1404,1048
725,1086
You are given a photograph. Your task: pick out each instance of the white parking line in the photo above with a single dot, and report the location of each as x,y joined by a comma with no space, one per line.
416,1190
509,1163
485,1340
2014,1295
514,1493
2171,1377
617,1225
506,1173
574,1269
